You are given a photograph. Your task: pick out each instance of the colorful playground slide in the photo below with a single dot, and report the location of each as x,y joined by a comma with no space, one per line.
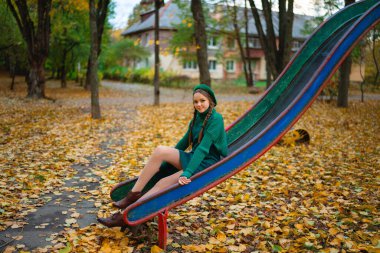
264,124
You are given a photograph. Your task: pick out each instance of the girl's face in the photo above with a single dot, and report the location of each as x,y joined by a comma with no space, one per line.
201,103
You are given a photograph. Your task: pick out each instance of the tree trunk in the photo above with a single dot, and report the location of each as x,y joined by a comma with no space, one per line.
276,56
285,33
63,69
201,41
36,81
156,80
101,11
344,82
250,75
98,14
87,84
375,82
243,52
37,41
93,60
13,82
269,75
345,70
362,59
12,71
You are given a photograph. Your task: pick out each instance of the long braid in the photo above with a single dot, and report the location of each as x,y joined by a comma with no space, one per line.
205,122
211,106
191,128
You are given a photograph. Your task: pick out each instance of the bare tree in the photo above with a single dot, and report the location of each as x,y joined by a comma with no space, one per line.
243,51
201,41
375,36
277,55
37,38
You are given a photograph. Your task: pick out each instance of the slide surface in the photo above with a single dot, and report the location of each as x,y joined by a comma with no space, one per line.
273,115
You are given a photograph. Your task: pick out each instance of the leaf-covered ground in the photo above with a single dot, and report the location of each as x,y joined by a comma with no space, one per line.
321,197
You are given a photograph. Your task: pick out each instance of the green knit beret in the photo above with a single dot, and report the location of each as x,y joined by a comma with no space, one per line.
207,89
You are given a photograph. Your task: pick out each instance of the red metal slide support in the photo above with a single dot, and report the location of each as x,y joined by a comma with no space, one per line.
162,229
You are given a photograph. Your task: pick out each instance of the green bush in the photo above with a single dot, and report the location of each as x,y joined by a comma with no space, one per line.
142,75
115,73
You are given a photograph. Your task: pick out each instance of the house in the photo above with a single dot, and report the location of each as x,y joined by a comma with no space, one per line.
223,52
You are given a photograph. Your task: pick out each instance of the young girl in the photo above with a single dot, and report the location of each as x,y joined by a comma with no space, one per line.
208,142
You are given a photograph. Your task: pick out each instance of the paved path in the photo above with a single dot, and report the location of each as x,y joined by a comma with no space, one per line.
144,93
48,222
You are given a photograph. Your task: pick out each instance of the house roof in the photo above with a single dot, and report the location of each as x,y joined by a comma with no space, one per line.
298,24
170,15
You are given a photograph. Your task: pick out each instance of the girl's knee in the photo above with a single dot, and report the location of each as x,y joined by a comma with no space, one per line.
160,150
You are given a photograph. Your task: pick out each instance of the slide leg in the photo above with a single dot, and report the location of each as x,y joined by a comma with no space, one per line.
162,229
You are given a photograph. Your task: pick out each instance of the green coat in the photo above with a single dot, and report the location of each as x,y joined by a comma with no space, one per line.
212,146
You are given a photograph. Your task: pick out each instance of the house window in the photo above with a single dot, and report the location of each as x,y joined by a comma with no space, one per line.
145,39
231,43
212,42
254,43
190,65
212,65
296,45
253,64
230,66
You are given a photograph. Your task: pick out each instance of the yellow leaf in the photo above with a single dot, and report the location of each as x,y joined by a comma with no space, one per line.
333,231
231,226
221,236
239,248
209,246
246,231
156,249
319,186
105,248
253,221
298,226
194,248
266,224
213,240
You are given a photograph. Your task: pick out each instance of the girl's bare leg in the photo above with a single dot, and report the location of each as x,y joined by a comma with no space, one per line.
163,183
160,154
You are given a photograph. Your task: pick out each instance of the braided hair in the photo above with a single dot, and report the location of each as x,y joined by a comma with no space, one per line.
211,106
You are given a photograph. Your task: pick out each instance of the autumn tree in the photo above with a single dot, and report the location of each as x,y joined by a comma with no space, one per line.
201,41
119,52
182,43
36,34
70,30
277,55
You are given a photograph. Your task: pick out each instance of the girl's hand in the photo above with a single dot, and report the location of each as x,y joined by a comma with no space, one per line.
183,180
